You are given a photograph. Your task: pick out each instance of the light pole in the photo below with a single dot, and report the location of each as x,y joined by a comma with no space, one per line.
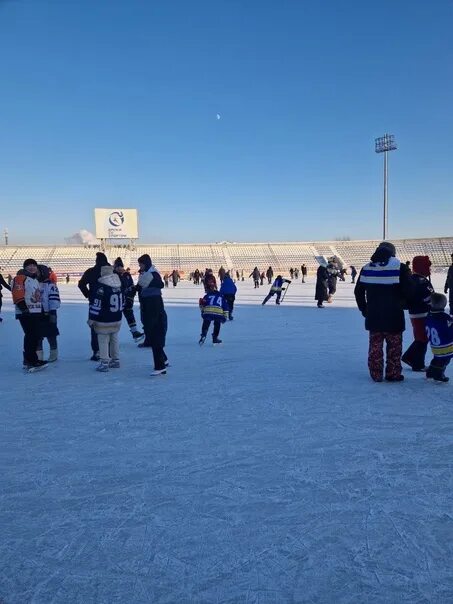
6,236
384,144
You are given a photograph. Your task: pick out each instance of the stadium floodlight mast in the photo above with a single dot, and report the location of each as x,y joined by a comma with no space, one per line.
384,144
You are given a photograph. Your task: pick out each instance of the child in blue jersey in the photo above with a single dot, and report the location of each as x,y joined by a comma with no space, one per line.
228,291
106,309
276,288
439,328
213,308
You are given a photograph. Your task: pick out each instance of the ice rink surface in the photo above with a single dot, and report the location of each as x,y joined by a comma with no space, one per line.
268,470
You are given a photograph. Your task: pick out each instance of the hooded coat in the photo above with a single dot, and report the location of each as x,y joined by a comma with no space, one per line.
382,291
88,281
322,276
107,304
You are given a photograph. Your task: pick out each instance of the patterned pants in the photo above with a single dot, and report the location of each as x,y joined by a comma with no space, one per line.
394,349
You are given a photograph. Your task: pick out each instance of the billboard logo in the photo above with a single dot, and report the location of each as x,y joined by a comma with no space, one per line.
116,219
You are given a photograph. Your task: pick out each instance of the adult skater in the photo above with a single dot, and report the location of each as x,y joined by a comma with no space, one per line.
419,305
381,292
448,288
269,275
128,289
222,273
256,276
27,298
88,285
333,272
276,288
321,291
3,284
304,272
228,291
353,274
154,317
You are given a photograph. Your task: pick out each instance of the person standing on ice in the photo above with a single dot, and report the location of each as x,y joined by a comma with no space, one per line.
304,271
214,308
27,298
419,305
333,272
228,291
353,274
256,276
321,291
50,300
439,327
154,317
448,288
106,309
87,286
269,275
381,293
128,288
6,286
222,273
276,288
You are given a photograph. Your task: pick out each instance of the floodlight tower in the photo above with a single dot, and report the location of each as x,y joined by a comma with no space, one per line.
6,236
384,144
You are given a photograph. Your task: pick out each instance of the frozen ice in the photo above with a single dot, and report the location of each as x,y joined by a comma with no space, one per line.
266,470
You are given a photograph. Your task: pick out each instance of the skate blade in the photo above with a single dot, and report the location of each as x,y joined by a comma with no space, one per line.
35,369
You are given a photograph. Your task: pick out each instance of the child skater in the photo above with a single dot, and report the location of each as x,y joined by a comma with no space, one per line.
439,327
213,308
106,311
228,291
276,289
50,300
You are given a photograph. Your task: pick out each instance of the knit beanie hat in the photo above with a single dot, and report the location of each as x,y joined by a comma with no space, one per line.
28,262
106,269
118,263
421,264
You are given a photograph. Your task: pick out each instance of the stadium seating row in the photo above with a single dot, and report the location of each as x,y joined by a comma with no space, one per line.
237,256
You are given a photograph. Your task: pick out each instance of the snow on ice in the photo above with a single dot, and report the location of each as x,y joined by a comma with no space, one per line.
266,470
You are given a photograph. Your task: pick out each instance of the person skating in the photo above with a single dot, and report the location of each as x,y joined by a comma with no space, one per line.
106,308
209,281
333,272
3,284
291,273
214,308
256,277
276,288
154,317
448,288
321,290
228,291
67,278
87,285
221,274
269,275
128,288
353,274
27,299
50,300
419,305
381,293
304,272
262,277
439,327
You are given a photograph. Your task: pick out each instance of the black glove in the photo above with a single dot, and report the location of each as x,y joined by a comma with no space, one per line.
53,318
23,307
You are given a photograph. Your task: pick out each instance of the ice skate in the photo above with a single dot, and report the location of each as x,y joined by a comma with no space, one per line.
34,367
95,356
158,372
103,367
114,364
202,340
138,337
216,341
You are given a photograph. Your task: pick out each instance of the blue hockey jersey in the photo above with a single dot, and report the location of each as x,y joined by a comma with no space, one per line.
278,284
214,307
228,286
439,329
108,300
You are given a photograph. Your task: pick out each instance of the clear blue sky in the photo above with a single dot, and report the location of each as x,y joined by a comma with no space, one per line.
113,103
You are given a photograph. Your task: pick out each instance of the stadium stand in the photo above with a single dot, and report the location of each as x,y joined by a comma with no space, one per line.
237,256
